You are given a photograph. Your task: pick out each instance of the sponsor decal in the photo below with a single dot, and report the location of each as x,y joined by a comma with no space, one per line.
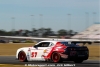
28,55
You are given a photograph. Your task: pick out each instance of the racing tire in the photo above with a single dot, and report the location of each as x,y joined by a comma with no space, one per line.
22,56
56,58
78,61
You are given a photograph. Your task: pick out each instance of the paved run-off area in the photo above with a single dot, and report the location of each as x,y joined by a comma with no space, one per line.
16,63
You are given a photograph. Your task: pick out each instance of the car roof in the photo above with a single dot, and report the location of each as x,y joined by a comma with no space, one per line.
54,41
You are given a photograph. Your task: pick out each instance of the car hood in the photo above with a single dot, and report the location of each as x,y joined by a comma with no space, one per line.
24,48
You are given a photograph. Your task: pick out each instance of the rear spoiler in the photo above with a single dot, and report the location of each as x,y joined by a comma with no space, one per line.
85,41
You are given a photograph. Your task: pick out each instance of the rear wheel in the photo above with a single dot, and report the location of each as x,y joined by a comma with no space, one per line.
55,57
22,56
78,61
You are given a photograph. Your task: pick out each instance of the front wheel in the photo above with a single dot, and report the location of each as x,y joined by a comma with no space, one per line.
22,56
55,57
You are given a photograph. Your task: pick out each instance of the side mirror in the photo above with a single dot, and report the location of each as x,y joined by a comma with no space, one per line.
35,46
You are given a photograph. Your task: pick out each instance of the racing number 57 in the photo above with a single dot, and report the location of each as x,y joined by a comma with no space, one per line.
33,54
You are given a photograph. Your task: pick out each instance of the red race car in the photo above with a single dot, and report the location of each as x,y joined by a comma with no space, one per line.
55,51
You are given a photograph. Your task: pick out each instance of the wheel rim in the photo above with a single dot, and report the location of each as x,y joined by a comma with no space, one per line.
55,57
22,56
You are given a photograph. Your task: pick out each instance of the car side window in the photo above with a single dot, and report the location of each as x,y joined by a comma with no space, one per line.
43,44
51,44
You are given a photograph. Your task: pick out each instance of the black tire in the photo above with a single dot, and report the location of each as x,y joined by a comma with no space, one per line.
22,56
56,58
78,61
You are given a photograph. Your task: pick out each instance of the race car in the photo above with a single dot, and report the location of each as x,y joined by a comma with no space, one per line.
53,51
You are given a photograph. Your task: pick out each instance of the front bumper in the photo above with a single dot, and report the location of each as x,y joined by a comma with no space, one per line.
16,58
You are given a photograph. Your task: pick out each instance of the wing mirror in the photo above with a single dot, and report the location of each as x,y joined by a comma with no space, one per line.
35,46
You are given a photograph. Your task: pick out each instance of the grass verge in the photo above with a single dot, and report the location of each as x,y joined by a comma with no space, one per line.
11,48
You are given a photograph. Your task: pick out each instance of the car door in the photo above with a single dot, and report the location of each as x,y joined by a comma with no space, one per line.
38,51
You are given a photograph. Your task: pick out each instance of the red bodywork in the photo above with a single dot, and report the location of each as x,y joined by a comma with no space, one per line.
57,48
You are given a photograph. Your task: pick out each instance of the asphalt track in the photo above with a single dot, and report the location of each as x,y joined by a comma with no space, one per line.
12,60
